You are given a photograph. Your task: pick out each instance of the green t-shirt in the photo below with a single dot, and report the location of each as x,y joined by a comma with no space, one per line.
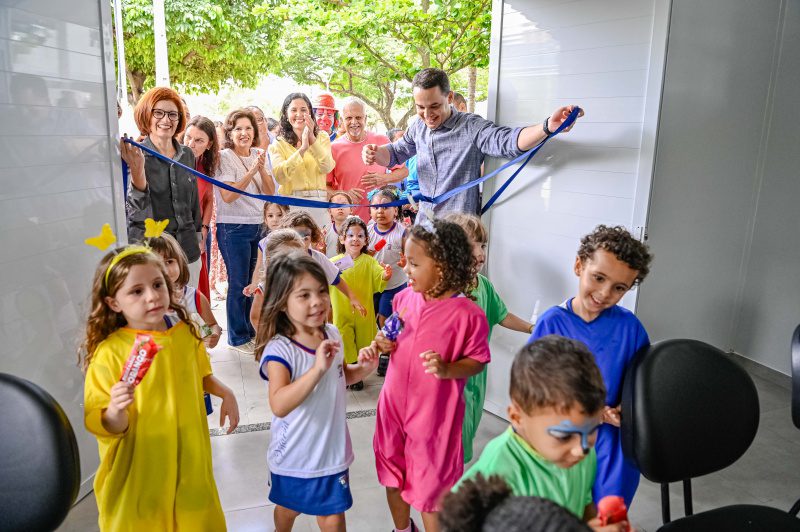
528,474
489,300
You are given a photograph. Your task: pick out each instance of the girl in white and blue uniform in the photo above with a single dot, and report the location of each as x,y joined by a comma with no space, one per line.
301,357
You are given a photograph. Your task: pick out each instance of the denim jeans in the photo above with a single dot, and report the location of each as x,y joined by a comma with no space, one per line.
238,244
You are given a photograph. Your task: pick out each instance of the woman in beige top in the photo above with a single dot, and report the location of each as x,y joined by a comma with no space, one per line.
301,156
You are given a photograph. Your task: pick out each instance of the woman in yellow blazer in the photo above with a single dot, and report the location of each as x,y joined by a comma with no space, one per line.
301,156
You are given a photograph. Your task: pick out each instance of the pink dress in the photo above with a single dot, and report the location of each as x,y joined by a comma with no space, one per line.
418,429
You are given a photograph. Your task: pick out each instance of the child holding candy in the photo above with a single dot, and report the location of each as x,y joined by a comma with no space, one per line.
609,263
366,276
557,401
155,468
386,245
302,358
490,302
338,216
417,444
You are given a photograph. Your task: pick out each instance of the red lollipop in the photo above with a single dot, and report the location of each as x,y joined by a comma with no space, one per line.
611,509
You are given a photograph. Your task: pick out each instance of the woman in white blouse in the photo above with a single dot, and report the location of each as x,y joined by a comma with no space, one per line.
239,218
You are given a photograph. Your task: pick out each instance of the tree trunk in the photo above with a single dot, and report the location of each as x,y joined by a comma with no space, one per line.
473,79
403,123
136,81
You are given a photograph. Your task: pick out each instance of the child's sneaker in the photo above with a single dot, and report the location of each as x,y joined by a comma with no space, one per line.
357,386
383,364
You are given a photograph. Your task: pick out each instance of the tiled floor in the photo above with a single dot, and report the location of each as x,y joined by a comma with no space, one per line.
769,473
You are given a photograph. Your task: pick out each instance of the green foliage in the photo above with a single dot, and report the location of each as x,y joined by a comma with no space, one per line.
209,42
373,48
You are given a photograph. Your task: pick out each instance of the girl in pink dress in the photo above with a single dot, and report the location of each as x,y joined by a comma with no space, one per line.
417,443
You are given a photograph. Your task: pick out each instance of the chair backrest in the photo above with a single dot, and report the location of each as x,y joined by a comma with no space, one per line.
687,410
38,458
796,377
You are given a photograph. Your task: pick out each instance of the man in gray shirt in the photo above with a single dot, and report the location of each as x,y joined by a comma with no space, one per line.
450,145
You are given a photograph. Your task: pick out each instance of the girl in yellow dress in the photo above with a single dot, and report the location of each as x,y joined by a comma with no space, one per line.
155,454
365,277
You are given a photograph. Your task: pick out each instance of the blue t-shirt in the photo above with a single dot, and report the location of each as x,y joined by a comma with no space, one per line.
411,183
614,337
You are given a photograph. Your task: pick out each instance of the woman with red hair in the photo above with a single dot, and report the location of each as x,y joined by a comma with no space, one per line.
160,190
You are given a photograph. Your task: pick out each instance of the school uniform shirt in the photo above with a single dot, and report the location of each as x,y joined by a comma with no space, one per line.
157,475
390,253
312,440
332,273
487,298
364,277
614,337
528,474
331,239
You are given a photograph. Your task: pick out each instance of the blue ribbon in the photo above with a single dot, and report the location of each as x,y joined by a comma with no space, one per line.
314,204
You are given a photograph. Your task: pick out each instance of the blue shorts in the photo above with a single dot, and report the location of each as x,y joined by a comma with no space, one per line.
328,495
382,301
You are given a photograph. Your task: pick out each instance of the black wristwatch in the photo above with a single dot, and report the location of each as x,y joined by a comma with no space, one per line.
545,128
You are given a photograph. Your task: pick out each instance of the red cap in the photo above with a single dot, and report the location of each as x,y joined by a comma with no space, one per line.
324,100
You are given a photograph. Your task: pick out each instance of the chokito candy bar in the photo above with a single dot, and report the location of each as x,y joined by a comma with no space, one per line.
380,244
142,354
392,327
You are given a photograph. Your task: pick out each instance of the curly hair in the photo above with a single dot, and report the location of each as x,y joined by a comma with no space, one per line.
102,320
450,249
230,123
619,242
295,219
287,131
488,505
349,222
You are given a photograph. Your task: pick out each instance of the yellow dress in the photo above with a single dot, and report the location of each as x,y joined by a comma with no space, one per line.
157,475
364,278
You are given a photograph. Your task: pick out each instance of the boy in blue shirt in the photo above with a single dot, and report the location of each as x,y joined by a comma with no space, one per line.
609,263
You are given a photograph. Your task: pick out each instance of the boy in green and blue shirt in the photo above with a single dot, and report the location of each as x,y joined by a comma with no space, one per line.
557,402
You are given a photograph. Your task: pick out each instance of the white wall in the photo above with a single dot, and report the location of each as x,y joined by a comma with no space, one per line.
722,218
57,165
604,57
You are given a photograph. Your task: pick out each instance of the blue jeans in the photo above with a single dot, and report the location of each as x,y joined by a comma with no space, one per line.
238,244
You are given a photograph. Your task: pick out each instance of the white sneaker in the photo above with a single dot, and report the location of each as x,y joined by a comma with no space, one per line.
246,348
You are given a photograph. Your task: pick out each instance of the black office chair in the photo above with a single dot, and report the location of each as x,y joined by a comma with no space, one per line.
689,410
38,458
796,393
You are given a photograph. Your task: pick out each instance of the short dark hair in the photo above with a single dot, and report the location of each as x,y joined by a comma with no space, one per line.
431,77
230,123
488,505
618,241
392,132
556,372
458,99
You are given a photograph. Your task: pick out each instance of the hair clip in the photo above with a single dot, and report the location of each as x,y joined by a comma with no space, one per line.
103,240
153,229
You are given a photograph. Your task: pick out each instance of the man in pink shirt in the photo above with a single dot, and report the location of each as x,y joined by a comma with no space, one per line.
350,173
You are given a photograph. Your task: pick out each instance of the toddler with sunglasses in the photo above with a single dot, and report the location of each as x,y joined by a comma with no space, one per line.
557,402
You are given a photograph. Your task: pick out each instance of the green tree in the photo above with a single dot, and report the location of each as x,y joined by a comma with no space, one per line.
210,42
373,48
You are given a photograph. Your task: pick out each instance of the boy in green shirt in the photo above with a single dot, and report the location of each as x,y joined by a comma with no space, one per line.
487,298
557,401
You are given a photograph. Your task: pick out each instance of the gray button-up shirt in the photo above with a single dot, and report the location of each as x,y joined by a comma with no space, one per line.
171,193
451,155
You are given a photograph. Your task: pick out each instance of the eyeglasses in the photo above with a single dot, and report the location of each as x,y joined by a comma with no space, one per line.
158,114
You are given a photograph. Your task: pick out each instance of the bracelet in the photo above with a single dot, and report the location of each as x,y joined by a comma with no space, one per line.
545,128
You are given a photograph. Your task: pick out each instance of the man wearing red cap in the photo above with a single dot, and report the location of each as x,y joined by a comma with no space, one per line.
350,173
326,113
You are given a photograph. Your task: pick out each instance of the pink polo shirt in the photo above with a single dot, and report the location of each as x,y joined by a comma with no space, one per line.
349,168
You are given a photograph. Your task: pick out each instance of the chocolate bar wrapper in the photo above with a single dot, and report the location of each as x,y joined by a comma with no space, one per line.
139,361
392,327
